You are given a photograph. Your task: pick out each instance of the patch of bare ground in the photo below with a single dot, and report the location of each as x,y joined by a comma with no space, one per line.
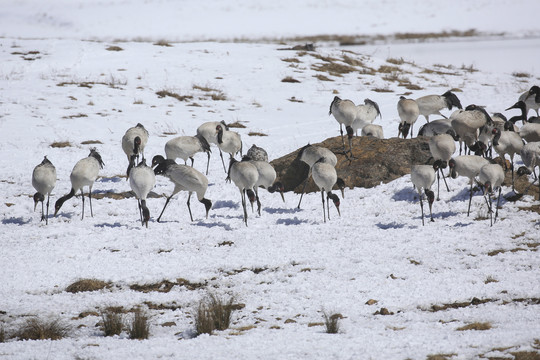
290,79
475,326
440,356
114,48
85,285
75,116
165,93
165,286
60,144
237,125
91,142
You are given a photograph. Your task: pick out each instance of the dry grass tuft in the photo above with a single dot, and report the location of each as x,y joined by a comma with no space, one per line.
490,279
213,313
114,48
60,144
2,333
387,69
162,43
112,322
383,90
85,285
37,329
291,60
91,142
290,79
440,356
164,93
254,133
475,326
395,61
139,329
521,75
322,77
237,125
332,322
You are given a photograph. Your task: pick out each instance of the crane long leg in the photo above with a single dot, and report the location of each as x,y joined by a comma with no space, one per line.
438,185
188,205
90,198
497,208
243,194
42,211
422,208
512,159
342,139
328,206
222,161
82,196
470,198
140,211
444,178
162,211
208,163
47,217
324,214
304,188
258,201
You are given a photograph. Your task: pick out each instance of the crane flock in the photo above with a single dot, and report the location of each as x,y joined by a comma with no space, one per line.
471,125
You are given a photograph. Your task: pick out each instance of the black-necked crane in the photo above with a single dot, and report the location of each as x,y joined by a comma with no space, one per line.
245,176
442,147
229,142
208,131
43,180
408,112
423,177
344,112
530,101
84,173
142,180
507,142
365,115
491,176
530,155
373,130
266,180
185,147
257,153
310,154
133,143
530,132
433,104
534,94
468,166
325,177
184,178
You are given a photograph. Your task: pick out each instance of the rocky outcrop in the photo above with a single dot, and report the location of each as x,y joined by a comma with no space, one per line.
374,161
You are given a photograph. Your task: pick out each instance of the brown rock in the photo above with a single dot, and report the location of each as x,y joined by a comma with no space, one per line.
374,161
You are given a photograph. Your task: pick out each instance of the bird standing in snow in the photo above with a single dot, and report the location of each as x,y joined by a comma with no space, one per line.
229,142
325,177
185,147
84,173
468,166
530,154
245,176
442,147
433,104
43,180
507,142
344,112
133,143
267,180
491,176
423,177
142,180
184,178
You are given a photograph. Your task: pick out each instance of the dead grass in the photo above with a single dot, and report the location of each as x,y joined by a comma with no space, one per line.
213,313
85,285
165,286
521,75
290,79
75,116
215,94
164,93
162,43
254,133
440,356
475,326
114,48
60,144
469,68
387,69
322,77
112,322
91,142
237,125
37,329
383,90
490,279
395,61
457,305
2,333
502,251
332,322
139,329
291,60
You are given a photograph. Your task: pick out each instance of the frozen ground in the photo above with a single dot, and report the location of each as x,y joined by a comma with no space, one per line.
287,266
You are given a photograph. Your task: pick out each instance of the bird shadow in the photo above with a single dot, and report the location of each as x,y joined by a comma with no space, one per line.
220,204
281,210
293,221
393,225
114,179
218,224
109,225
16,221
406,194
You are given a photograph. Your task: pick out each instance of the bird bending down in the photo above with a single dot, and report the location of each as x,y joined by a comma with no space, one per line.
267,180
530,101
185,147
184,178
142,180
373,130
436,127
433,104
208,131
530,155
468,166
325,177
408,113
310,154
84,173
344,112
507,142
491,176
229,142
442,147
423,177
43,180
365,115
133,143
245,176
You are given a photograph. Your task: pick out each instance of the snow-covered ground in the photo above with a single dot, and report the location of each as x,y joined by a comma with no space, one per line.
61,82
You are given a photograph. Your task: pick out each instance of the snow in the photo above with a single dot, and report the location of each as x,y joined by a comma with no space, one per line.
377,249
